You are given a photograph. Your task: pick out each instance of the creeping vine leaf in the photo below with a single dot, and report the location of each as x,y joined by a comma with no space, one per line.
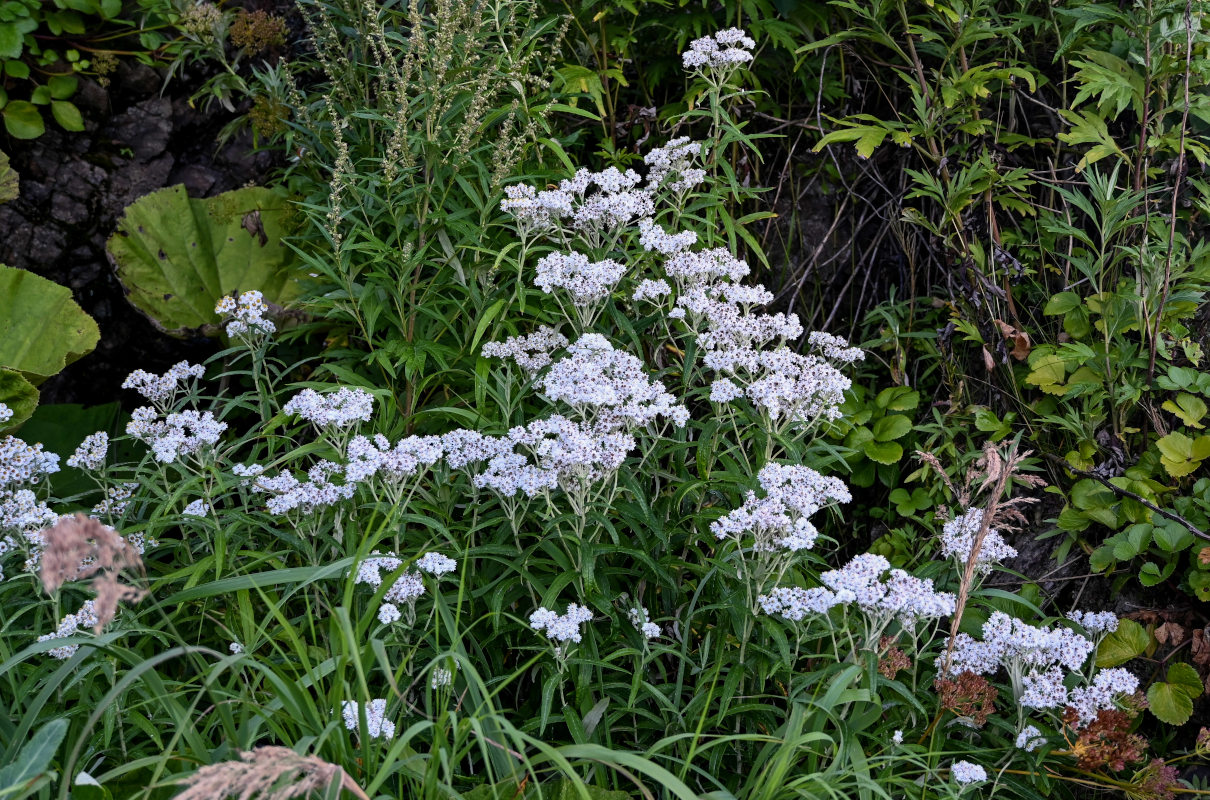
177,256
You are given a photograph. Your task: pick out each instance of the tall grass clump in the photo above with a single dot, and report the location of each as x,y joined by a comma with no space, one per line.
623,570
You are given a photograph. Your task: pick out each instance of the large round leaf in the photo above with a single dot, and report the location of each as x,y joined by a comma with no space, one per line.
19,395
178,256
8,180
42,330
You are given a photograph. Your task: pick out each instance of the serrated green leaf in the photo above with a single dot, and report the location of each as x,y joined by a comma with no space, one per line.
1184,676
1129,641
9,185
1170,703
1188,408
1061,303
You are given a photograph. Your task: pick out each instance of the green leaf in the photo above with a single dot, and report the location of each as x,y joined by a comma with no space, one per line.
19,395
1185,677
1061,303
11,40
898,398
1170,703
1048,371
16,69
67,115
1189,408
883,452
1150,573
1129,641
22,120
892,427
9,186
34,758
1172,536
62,86
42,330
177,256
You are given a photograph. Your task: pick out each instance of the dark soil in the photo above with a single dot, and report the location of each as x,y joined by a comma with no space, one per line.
74,188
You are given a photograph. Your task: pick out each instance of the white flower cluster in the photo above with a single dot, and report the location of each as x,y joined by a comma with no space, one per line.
6,413
21,511
651,290
117,498
247,315
564,453
779,520
835,348
1102,693
1095,622
161,390
586,283
198,508
672,167
377,724
408,587
641,620
70,625
90,455
178,434
439,677
965,773
958,537
609,386
595,205
22,463
368,458
338,409
561,628
468,449
1030,738
720,53
288,493
900,596
1016,645
531,352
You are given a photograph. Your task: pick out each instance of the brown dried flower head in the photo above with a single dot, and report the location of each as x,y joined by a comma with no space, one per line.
893,659
969,696
80,547
1106,742
1156,781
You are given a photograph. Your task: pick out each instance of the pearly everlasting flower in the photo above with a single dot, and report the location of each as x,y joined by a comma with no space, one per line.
1043,689
247,472
673,167
339,409
1030,739
6,413
388,613
436,564
90,455
958,537
117,498
1095,623
439,677
178,434
535,210
795,604
22,463
1102,693
288,494
687,268
651,290
466,448
561,628
377,725
609,386
965,773
719,54
641,620
368,458
724,390
532,352
1018,646
835,348
236,648
198,508
779,519
900,596
70,625
246,315
897,738
586,283
654,238
162,390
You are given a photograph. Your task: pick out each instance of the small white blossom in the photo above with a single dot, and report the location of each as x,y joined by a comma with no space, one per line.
377,725
1030,739
90,455
561,628
338,409
641,620
198,508
964,772
246,315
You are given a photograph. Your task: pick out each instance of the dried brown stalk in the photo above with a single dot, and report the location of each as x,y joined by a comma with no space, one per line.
268,773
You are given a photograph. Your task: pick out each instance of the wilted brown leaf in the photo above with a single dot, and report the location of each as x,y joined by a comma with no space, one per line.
1017,338
1171,633
1203,557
